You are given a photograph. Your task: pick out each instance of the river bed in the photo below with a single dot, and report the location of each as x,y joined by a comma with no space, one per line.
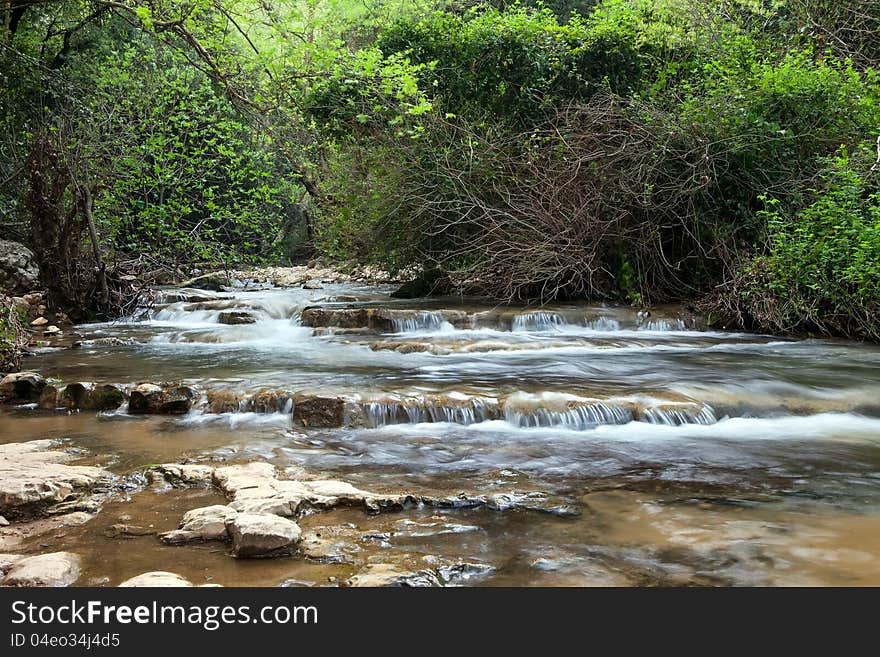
658,452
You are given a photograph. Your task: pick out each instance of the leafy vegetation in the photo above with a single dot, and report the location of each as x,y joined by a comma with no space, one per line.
721,152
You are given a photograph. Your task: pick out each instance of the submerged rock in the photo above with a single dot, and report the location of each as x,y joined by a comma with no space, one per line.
22,387
262,535
152,399
52,570
384,575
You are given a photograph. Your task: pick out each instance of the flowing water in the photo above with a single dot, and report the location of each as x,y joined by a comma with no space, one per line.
682,455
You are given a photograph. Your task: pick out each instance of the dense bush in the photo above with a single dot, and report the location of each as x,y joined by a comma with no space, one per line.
821,271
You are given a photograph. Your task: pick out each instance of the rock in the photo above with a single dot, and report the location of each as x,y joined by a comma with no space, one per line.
53,569
431,282
3,522
152,399
262,535
18,268
22,387
105,342
313,411
158,578
40,321
205,524
347,318
52,330
213,282
49,398
89,397
190,474
463,572
236,317
33,299
121,530
7,561
383,574
31,474
63,319
312,285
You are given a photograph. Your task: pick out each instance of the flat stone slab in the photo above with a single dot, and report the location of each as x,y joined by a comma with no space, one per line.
31,473
54,569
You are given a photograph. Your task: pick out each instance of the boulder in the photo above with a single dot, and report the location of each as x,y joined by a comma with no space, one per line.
158,578
205,524
49,398
22,387
7,561
262,535
315,411
32,474
39,321
3,522
213,281
236,317
53,569
91,397
312,285
152,399
18,268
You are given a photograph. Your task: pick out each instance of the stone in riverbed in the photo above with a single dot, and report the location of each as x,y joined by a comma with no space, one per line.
91,397
191,474
3,522
152,399
236,317
39,321
205,524
49,398
262,535
214,282
31,474
159,578
22,387
315,411
383,575
7,561
50,570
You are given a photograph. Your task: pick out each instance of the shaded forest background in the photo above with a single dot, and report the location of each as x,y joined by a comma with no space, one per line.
724,153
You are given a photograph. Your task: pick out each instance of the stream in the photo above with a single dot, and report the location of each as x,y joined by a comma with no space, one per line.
649,450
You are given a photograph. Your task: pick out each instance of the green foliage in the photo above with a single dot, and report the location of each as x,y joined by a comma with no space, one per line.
13,335
822,269
194,182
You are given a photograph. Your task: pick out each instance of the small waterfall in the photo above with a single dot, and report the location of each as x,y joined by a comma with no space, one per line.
666,325
672,416
537,321
420,321
415,411
577,416
603,324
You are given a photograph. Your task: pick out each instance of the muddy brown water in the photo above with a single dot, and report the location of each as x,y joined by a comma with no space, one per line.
778,483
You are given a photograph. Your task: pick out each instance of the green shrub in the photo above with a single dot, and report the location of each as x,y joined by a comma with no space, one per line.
822,269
